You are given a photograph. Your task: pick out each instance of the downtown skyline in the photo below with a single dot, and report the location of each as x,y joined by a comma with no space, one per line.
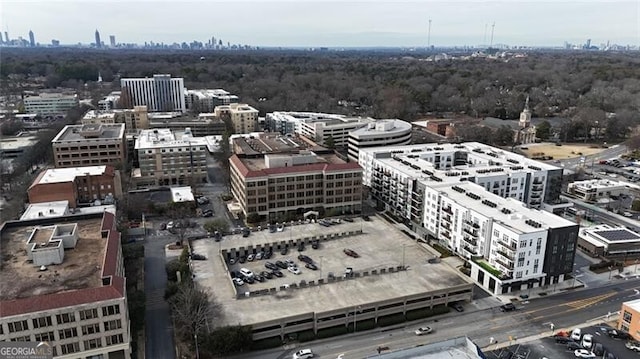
334,24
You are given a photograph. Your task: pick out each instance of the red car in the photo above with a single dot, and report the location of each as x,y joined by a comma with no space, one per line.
351,253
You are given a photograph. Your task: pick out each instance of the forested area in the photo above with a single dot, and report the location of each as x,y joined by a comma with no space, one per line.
582,85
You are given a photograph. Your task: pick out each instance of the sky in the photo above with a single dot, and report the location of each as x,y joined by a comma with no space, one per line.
331,23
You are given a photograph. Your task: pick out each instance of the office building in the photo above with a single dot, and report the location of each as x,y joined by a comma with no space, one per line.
278,177
98,42
64,283
456,348
206,100
90,145
168,158
378,134
243,118
629,320
317,126
110,102
112,40
597,189
606,240
77,185
50,103
134,119
56,209
159,93
32,39
205,124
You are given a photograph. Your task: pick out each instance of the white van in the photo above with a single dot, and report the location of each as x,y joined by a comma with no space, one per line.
247,273
303,354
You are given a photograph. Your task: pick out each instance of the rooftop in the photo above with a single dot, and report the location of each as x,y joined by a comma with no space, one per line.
182,194
61,209
604,233
633,304
268,143
598,183
82,266
457,348
382,126
90,132
51,96
14,143
209,93
61,175
507,211
236,107
95,114
327,118
164,137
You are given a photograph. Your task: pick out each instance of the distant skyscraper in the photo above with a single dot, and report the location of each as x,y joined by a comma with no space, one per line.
32,39
98,42
6,37
55,42
112,40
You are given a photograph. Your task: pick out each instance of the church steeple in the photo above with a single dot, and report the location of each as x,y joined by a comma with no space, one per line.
525,115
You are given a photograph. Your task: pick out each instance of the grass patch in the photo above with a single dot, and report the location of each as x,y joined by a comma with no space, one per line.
391,319
266,343
444,252
486,266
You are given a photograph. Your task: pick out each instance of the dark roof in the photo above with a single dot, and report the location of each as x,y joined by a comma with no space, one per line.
496,122
618,235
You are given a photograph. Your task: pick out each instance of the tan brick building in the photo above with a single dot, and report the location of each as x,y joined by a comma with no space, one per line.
76,184
88,145
243,117
629,320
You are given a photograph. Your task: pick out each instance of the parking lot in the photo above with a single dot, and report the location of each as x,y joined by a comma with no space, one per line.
379,246
549,348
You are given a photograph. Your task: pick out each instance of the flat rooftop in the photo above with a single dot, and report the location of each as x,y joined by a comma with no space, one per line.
90,132
46,209
81,269
598,183
258,164
61,175
164,138
618,235
268,143
380,246
16,143
311,117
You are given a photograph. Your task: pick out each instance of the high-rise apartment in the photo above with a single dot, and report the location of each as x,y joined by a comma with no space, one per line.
160,93
112,40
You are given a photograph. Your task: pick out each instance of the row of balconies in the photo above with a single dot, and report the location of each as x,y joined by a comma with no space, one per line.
470,241
506,265
471,232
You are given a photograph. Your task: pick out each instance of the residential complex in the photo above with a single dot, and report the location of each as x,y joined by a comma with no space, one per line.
206,100
110,102
77,185
317,126
170,158
277,176
159,93
378,134
64,284
448,192
242,117
88,145
597,189
50,103
605,240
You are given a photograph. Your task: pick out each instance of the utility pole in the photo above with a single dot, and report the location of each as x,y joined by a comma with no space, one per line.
493,27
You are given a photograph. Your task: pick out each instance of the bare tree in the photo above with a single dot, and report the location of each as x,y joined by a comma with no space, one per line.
180,213
192,310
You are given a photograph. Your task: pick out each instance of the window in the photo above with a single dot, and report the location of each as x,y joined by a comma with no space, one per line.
88,314
523,244
45,337
67,333
66,318
26,338
70,348
519,274
92,343
91,329
496,233
114,339
538,245
110,310
18,326
627,317
42,322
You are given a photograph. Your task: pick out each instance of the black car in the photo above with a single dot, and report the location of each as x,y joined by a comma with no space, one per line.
277,273
248,279
560,339
300,246
272,229
311,266
281,264
305,259
270,265
198,257
507,307
617,334
259,278
598,349
284,251
268,254
266,274
458,307
242,259
315,244
573,346
348,219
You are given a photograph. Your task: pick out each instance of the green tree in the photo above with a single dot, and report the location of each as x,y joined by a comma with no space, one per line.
636,205
253,217
227,340
330,142
217,224
503,136
543,130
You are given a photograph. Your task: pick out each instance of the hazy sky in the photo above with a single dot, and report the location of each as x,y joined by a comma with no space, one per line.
326,23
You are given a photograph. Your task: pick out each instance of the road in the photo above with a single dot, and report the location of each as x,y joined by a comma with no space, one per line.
607,153
563,310
602,215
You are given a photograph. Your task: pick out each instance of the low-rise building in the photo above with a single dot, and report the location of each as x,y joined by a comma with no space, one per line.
629,320
206,100
604,240
243,118
64,284
58,209
50,103
110,102
593,190
379,134
77,185
170,158
278,176
134,119
88,145
205,124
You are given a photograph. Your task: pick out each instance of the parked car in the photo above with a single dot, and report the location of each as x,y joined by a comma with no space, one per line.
259,278
198,257
303,354
270,265
633,345
242,259
281,264
509,307
163,226
587,341
351,253
246,232
232,261
424,330
277,273
315,244
259,255
576,334
284,251
238,281
583,353
251,257
300,246
249,280
574,346
207,213
266,274
366,218
305,259
324,223
294,270
560,339
268,254
598,349
311,266
348,219
457,306
617,334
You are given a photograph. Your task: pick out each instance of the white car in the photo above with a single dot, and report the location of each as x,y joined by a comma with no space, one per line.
294,270
170,225
237,281
587,341
259,255
303,354
576,334
251,257
635,346
583,353
424,330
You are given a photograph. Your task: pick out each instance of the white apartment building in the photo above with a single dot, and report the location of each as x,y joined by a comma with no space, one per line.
159,93
50,103
206,100
110,102
243,117
78,304
593,190
378,134
316,126
170,158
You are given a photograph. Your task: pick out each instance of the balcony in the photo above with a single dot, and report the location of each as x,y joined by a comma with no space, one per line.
446,235
470,250
505,255
504,264
471,241
471,232
472,224
446,226
447,218
447,210
511,246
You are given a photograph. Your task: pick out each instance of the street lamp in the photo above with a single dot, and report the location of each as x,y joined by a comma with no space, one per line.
197,352
403,250
355,317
